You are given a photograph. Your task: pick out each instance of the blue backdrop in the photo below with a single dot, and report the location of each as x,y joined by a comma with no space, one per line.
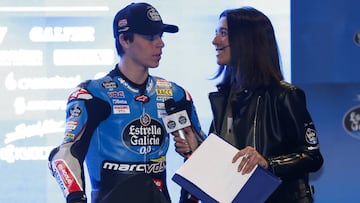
325,63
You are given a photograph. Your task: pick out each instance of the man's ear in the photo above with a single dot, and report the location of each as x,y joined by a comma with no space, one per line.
124,42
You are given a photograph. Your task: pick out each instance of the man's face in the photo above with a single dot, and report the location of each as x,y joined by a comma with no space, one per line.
146,50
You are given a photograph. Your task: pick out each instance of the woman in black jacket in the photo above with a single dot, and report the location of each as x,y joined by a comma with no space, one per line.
255,110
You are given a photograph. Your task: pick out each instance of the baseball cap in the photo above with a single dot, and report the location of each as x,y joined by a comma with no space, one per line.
140,18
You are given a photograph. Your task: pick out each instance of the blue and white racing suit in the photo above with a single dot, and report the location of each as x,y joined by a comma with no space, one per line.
117,129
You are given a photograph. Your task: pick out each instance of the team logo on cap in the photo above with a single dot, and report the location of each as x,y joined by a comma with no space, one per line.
153,15
123,25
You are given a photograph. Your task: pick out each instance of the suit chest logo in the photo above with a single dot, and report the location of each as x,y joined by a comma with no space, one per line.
144,135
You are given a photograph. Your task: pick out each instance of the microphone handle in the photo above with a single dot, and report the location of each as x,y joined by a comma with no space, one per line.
182,136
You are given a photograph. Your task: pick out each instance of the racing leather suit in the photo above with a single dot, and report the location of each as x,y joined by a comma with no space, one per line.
276,123
117,129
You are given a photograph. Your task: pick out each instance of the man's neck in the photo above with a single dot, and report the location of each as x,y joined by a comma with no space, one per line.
135,73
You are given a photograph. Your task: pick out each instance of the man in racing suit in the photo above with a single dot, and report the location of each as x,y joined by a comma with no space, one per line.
114,123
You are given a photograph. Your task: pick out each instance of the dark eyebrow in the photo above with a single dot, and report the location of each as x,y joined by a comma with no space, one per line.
221,29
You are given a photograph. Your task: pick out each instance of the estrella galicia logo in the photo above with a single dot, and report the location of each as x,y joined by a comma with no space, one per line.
144,135
351,122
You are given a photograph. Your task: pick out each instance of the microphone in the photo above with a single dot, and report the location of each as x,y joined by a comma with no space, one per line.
177,119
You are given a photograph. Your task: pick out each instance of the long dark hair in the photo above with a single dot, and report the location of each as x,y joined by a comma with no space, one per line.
255,59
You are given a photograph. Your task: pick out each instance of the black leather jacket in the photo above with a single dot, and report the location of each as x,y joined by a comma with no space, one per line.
276,122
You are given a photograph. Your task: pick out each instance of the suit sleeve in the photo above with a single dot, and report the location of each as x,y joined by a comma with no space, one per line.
83,114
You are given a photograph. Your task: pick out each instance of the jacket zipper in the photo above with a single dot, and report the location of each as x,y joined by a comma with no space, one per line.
255,121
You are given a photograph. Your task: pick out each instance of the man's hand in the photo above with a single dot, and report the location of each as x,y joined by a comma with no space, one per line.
184,146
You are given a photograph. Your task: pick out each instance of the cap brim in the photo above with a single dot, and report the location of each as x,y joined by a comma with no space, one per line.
170,28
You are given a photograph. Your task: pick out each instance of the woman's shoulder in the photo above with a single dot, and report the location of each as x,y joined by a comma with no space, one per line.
287,86
286,89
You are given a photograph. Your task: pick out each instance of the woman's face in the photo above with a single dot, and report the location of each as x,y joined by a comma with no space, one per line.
221,42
